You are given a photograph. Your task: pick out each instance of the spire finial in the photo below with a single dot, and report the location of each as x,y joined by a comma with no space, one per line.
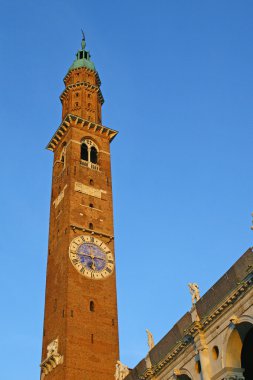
83,40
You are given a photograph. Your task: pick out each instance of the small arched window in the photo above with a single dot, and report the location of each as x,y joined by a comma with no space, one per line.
92,306
63,153
91,205
84,152
90,226
93,155
91,182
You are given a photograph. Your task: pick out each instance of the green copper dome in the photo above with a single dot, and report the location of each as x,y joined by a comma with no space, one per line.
82,58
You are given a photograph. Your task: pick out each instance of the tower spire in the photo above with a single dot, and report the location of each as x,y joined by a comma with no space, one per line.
83,43
83,57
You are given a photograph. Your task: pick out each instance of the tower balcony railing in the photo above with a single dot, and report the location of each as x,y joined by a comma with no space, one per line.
89,164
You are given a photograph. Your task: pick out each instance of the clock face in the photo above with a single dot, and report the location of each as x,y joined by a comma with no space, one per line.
91,257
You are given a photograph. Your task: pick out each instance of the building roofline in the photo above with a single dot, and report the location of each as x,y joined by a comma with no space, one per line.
224,293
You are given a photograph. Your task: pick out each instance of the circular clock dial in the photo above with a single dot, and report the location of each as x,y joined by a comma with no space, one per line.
91,257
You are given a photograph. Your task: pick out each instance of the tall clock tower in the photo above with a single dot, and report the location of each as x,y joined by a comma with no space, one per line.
80,336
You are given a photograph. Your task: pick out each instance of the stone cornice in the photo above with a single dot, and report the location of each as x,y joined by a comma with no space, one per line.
180,345
242,287
92,232
50,363
82,84
72,120
85,68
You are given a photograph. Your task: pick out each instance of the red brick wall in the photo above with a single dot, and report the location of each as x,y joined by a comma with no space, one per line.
87,340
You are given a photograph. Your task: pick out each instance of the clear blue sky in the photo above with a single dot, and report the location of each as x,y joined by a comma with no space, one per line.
177,80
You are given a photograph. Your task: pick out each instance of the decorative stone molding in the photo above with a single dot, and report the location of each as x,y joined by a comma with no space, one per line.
176,373
53,359
148,362
73,120
168,358
121,371
194,314
89,165
242,287
89,190
234,319
229,374
92,232
60,197
180,372
79,85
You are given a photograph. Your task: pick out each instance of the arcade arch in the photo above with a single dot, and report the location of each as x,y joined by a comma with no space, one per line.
239,349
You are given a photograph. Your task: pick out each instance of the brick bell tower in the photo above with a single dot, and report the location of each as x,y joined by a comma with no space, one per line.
80,336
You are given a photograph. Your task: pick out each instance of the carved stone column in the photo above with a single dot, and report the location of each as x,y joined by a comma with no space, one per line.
201,347
205,362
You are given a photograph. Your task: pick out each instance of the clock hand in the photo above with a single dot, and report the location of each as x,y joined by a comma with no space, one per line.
91,256
93,265
85,254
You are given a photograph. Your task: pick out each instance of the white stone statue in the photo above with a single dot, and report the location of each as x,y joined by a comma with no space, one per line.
121,371
194,290
52,348
151,342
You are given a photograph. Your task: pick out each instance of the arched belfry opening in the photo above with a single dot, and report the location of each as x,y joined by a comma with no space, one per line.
239,350
84,152
89,153
247,355
93,155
